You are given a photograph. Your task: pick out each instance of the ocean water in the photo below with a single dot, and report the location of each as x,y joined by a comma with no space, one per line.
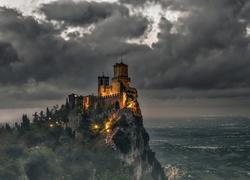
209,148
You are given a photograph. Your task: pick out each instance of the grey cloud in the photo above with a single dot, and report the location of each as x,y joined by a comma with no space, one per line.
207,52
119,28
8,54
111,20
140,2
43,54
182,93
134,2
81,13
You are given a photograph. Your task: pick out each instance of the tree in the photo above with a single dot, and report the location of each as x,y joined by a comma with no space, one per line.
8,128
42,116
36,117
25,124
48,114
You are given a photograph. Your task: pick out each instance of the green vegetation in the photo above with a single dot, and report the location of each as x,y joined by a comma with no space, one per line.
45,149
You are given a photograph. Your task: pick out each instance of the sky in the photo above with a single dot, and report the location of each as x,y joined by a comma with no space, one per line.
185,57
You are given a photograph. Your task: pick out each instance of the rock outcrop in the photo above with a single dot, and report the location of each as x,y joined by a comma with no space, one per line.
131,142
130,139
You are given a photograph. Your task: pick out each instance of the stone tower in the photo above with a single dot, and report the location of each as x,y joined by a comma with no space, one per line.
103,83
120,81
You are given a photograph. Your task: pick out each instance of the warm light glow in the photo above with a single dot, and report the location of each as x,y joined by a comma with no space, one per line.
107,125
51,125
56,122
49,118
131,105
96,126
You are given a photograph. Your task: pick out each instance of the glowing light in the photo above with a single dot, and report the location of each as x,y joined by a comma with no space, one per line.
107,125
130,105
51,125
96,126
49,118
56,122
108,130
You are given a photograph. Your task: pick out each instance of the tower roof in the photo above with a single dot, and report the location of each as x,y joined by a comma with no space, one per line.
103,76
120,64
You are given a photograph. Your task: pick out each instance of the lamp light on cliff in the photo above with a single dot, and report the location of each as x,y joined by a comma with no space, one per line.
96,126
130,105
107,125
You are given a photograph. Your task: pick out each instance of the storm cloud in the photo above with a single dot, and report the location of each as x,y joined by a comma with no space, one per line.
208,49
81,13
204,53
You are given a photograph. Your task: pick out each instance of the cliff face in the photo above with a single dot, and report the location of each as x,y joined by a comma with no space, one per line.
131,141
131,144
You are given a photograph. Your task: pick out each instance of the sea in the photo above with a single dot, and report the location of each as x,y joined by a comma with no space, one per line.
202,148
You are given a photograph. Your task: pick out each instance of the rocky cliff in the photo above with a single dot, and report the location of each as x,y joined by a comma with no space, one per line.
130,140
126,134
123,130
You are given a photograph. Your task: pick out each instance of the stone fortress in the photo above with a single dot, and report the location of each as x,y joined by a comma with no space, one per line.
110,99
114,114
117,95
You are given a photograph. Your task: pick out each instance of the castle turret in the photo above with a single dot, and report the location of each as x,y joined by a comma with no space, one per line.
103,83
120,81
72,100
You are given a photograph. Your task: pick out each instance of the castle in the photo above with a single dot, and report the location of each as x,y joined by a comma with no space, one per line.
118,95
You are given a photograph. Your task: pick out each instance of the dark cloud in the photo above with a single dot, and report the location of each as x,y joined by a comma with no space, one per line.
209,50
204,54
8,54
118,26
43,54
81,13
139,2
111,20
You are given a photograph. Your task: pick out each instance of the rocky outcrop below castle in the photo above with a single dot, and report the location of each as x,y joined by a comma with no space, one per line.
115,117
122,131
131,144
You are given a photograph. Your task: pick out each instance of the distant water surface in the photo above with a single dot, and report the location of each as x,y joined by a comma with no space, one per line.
208,148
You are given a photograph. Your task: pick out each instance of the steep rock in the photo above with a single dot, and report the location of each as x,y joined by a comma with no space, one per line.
131,142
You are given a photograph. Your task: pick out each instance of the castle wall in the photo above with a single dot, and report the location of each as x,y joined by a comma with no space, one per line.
112,99
105,90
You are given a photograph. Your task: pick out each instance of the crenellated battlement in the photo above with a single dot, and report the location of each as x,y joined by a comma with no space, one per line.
110,96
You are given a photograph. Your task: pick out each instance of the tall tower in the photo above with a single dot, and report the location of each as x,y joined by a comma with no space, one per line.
72,100
120,81
103,82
